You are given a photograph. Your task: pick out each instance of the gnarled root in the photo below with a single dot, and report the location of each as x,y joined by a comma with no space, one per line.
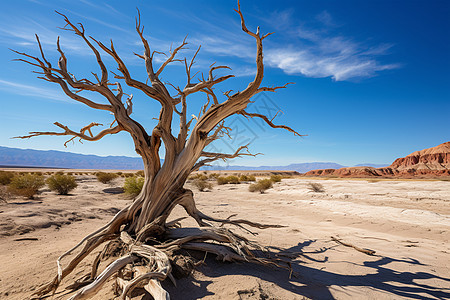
188,203
92,241
145,257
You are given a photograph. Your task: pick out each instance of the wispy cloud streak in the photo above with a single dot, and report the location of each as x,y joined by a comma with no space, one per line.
319,53
29,90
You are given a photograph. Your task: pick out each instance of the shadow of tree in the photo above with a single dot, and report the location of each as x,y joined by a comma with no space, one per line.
316,283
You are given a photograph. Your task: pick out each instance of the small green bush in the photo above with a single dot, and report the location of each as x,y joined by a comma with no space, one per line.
226,180
261,186
233,179
105,177
133,185
198,176
316,187
26,185
247,178
276,178
62,184
202,185
5,177
221,180
140,173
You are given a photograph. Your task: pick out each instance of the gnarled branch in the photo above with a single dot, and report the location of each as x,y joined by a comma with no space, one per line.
215,156
80,134
269,122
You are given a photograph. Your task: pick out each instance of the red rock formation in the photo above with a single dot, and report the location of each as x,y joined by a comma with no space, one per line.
436,158
425,163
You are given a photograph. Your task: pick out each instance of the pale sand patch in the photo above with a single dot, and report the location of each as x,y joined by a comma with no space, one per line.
405,222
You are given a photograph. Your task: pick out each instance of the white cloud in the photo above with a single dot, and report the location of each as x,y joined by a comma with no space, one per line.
319,53
29,90
339,65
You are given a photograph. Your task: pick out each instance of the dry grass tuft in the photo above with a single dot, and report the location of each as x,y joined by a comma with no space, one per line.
316,187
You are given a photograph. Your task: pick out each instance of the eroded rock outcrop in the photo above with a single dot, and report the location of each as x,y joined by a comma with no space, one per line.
424,163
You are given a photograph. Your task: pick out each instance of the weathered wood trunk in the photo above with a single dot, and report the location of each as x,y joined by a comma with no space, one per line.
163,188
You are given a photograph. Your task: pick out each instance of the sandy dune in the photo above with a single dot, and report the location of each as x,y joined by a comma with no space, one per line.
407,223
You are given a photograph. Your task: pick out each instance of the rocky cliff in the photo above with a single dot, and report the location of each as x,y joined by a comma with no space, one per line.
424,163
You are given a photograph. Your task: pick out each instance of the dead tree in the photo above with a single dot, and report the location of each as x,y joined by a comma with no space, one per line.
137,226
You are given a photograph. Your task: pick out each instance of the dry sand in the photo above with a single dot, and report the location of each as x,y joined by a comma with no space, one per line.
407,223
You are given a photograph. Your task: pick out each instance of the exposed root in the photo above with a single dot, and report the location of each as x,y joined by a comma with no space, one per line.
365,251
188,203
150,251
92,288
92,241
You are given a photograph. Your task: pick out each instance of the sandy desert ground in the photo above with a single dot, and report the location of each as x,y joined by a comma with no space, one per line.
406,222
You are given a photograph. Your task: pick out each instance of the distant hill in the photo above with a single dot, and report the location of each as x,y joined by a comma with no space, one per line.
300,167
60,159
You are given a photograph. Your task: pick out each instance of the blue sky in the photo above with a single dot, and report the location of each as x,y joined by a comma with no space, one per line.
371,77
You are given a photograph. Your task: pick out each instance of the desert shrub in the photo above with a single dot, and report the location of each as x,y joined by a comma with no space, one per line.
139,173
213,176
198,176
59,173
127,175
5,177
232,179
133,185
226,180
221,180
276,178
62,184
316,187
243,177
202,184
119,174
247,178
26,185
261,186
105,177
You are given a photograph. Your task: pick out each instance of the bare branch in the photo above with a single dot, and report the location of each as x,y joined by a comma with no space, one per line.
273,89
219,132
52,77
210,91
211,77
172,56
215,156
79,32
269,122
80,134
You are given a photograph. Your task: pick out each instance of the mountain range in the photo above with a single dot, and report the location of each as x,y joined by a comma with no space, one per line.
66,160
10,157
